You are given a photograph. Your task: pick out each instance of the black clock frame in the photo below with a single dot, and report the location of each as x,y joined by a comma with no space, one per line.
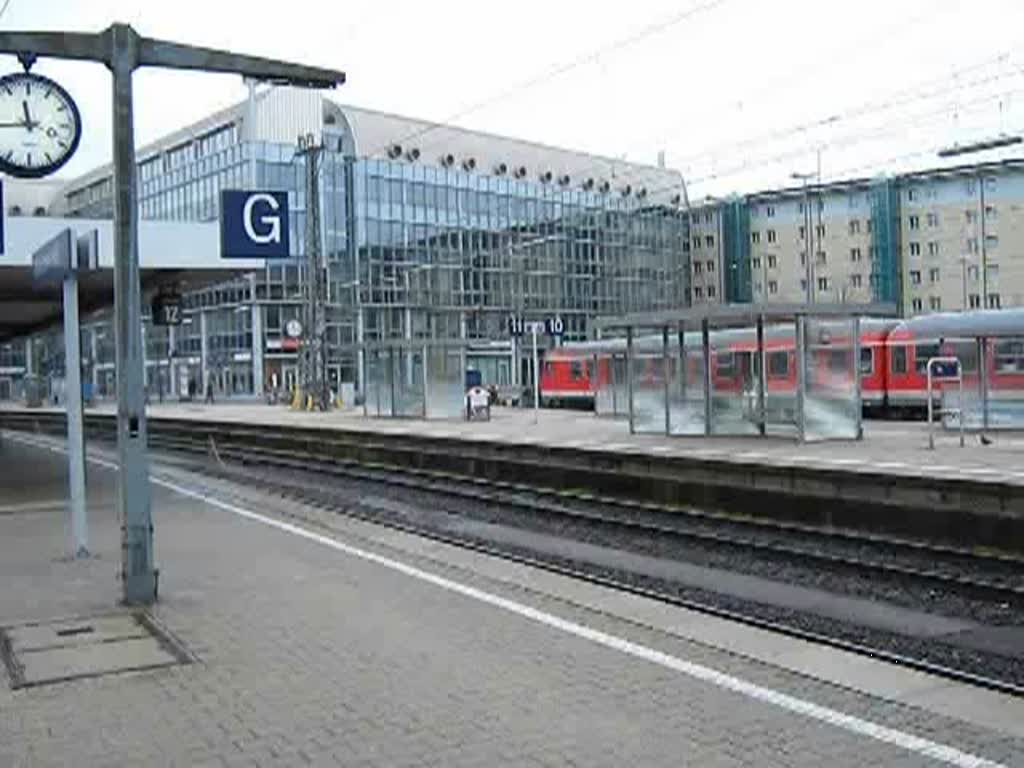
37,172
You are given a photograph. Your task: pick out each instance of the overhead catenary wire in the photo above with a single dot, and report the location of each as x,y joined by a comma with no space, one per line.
647,31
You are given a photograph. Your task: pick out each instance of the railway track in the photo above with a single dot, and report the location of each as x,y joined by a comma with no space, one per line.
991,577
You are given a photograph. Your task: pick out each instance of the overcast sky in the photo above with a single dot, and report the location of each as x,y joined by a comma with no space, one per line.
738,93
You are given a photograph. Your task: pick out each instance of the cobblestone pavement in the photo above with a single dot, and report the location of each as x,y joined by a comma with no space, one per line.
308,654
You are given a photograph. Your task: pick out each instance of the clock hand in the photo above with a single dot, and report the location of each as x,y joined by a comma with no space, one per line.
28,118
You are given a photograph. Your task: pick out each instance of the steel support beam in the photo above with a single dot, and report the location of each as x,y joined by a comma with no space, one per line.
79,539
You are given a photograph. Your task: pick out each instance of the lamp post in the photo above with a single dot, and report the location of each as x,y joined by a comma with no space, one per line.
122,50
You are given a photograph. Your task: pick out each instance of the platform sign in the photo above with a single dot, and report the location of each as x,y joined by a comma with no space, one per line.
552,326
166,309
254,225
51,262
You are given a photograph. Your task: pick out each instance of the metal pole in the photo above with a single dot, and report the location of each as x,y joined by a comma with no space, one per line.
931,429
858,394
76,430
536,376
426,382
761,425
667,364
984,250
807,243
983,379
138,575
705,332
801,377
629,378
960,399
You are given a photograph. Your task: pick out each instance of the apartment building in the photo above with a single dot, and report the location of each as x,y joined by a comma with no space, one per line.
932,240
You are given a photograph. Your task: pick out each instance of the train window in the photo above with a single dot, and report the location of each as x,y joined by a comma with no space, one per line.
967,352
922,352
899,359
778,365
839,360
867,361
1010,356
726,365
576,370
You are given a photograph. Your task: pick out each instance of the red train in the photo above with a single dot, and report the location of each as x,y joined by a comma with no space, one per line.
893,358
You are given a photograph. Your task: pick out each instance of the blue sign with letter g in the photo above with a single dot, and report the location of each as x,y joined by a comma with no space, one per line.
253,225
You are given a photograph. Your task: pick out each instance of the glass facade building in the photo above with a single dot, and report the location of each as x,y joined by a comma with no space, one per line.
412,249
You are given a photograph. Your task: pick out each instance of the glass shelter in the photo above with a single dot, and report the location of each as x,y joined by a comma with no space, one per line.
787,370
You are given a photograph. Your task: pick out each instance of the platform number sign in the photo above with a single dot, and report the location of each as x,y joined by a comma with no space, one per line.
167,310
552,326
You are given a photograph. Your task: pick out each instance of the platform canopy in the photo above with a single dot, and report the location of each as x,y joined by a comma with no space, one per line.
185,255
738,315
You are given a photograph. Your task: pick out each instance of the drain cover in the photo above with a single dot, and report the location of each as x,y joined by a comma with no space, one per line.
67,649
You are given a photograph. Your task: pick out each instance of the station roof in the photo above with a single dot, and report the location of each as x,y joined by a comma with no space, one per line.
731,315
182,254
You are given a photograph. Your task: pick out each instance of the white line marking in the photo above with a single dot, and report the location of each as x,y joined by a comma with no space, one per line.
856,725
889,464
34,505
844,462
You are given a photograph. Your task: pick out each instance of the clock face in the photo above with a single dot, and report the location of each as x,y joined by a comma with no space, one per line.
39,125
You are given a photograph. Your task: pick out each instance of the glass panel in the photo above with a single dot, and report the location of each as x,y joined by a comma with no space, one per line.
832,406
734,382
648,383
686,390
408,383
445,383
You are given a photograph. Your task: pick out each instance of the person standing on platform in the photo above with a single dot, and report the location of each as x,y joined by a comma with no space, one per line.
209,391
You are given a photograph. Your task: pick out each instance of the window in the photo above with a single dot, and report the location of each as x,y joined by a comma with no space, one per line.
856,281
855,227
725,364
871,252
771,233
935,302
975,301
778,364
991,241
990,212
803,286
911,194
821,258
755,263
711,265
822,283
871,226
972,273
695,219
972,245
803,258
698,267
855,254
993,301
970,216
914,222
576,370
772,262
698,292
801,208
915,277
769,211
708,218
922,353
755,237
773,287
711,291
867,361
992,270
820,230
933,275
709,241
933,248
696,243
802,232
933,219
917,305
1009,355
898,362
